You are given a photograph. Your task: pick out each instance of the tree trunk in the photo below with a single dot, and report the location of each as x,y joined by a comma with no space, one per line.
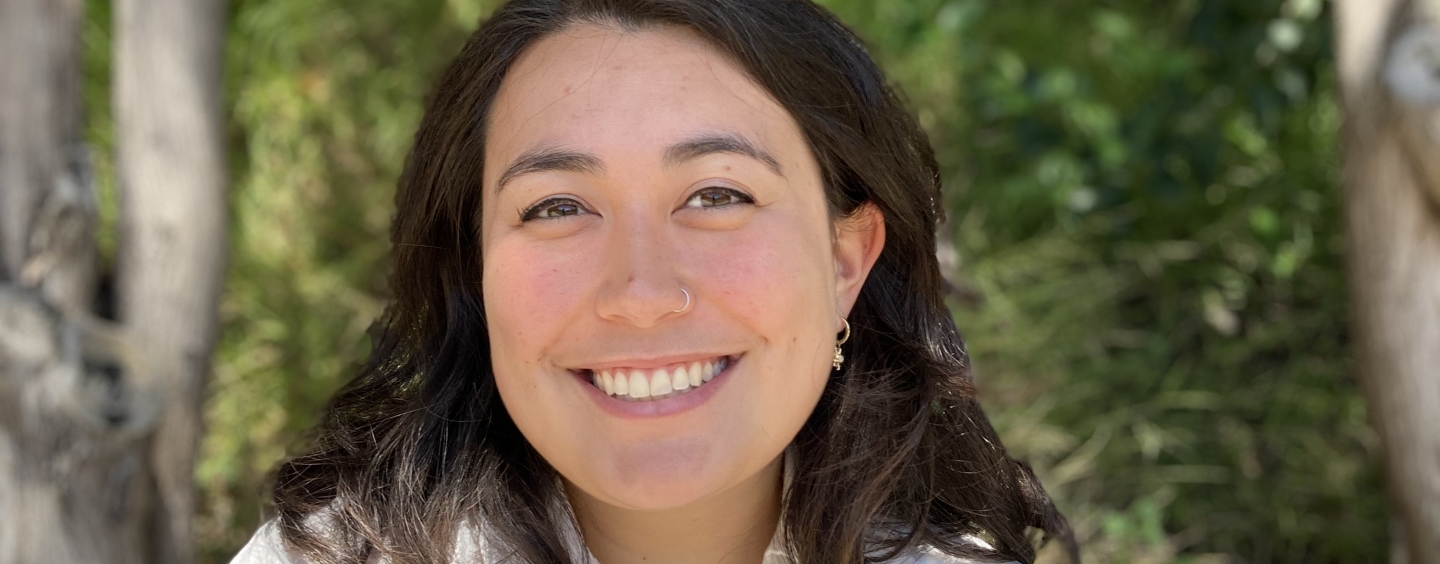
74,486
75,410
1388,55
42,161
168,56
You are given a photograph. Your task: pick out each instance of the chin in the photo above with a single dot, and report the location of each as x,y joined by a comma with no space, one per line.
659,475
657,498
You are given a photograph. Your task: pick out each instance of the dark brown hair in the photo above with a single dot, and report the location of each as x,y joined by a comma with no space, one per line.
897,453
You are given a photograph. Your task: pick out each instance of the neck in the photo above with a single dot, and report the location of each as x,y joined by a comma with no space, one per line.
732,527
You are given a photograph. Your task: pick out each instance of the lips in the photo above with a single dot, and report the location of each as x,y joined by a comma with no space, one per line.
652,384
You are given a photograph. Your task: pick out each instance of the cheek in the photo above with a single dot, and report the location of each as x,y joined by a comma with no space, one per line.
776,278
775,274
530,293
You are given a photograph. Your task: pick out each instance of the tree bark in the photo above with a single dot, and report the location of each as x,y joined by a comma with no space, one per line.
75,410
43,169
1388,57
168,56
74,486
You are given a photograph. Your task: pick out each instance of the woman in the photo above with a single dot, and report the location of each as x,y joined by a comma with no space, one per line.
665,291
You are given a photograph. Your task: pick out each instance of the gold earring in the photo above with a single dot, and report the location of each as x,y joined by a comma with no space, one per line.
840,357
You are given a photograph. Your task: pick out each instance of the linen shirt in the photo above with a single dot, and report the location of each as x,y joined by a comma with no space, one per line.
266,548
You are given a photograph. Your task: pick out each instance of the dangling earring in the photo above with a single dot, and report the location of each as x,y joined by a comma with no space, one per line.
840,357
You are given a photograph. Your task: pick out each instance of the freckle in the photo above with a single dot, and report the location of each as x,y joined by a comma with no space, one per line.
727,168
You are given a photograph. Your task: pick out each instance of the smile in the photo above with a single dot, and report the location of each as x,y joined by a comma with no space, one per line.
636,384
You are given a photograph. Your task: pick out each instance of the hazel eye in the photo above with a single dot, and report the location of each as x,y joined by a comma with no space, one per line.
553,208
717,196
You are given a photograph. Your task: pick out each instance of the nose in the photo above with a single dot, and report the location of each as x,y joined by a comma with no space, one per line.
641,285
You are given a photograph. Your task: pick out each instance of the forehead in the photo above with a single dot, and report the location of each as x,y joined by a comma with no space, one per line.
627,93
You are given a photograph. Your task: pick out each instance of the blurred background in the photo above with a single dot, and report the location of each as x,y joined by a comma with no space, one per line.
1144,205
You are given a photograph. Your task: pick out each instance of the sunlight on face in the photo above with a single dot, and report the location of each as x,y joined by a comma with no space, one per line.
621,167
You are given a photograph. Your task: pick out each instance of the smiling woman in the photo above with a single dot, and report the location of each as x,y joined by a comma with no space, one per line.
665,291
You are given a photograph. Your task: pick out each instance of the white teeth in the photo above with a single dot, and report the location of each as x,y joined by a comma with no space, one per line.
639,388
622,384
660,383
680,380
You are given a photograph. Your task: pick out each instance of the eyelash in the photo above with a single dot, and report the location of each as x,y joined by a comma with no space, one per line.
533,212
740,197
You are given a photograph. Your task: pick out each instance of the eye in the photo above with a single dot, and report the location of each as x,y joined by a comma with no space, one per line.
717,196
553,208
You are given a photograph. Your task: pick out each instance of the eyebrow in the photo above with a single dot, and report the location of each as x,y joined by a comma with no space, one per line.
719,142
545,159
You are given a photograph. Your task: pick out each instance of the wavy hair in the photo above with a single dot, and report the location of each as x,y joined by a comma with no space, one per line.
897,452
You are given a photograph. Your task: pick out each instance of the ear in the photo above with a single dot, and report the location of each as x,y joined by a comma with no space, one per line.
859,238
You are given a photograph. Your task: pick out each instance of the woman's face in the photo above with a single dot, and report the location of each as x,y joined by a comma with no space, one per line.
621,168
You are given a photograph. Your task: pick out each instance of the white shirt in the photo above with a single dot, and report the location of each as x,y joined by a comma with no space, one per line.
266,548
471,546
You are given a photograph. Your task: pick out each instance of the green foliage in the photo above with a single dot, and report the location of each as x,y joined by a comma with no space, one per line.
324,100
1144,196
95,37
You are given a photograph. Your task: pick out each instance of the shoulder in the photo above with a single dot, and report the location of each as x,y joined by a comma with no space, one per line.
891,530
265,547
928,555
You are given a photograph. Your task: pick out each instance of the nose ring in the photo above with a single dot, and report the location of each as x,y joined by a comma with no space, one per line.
687,303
